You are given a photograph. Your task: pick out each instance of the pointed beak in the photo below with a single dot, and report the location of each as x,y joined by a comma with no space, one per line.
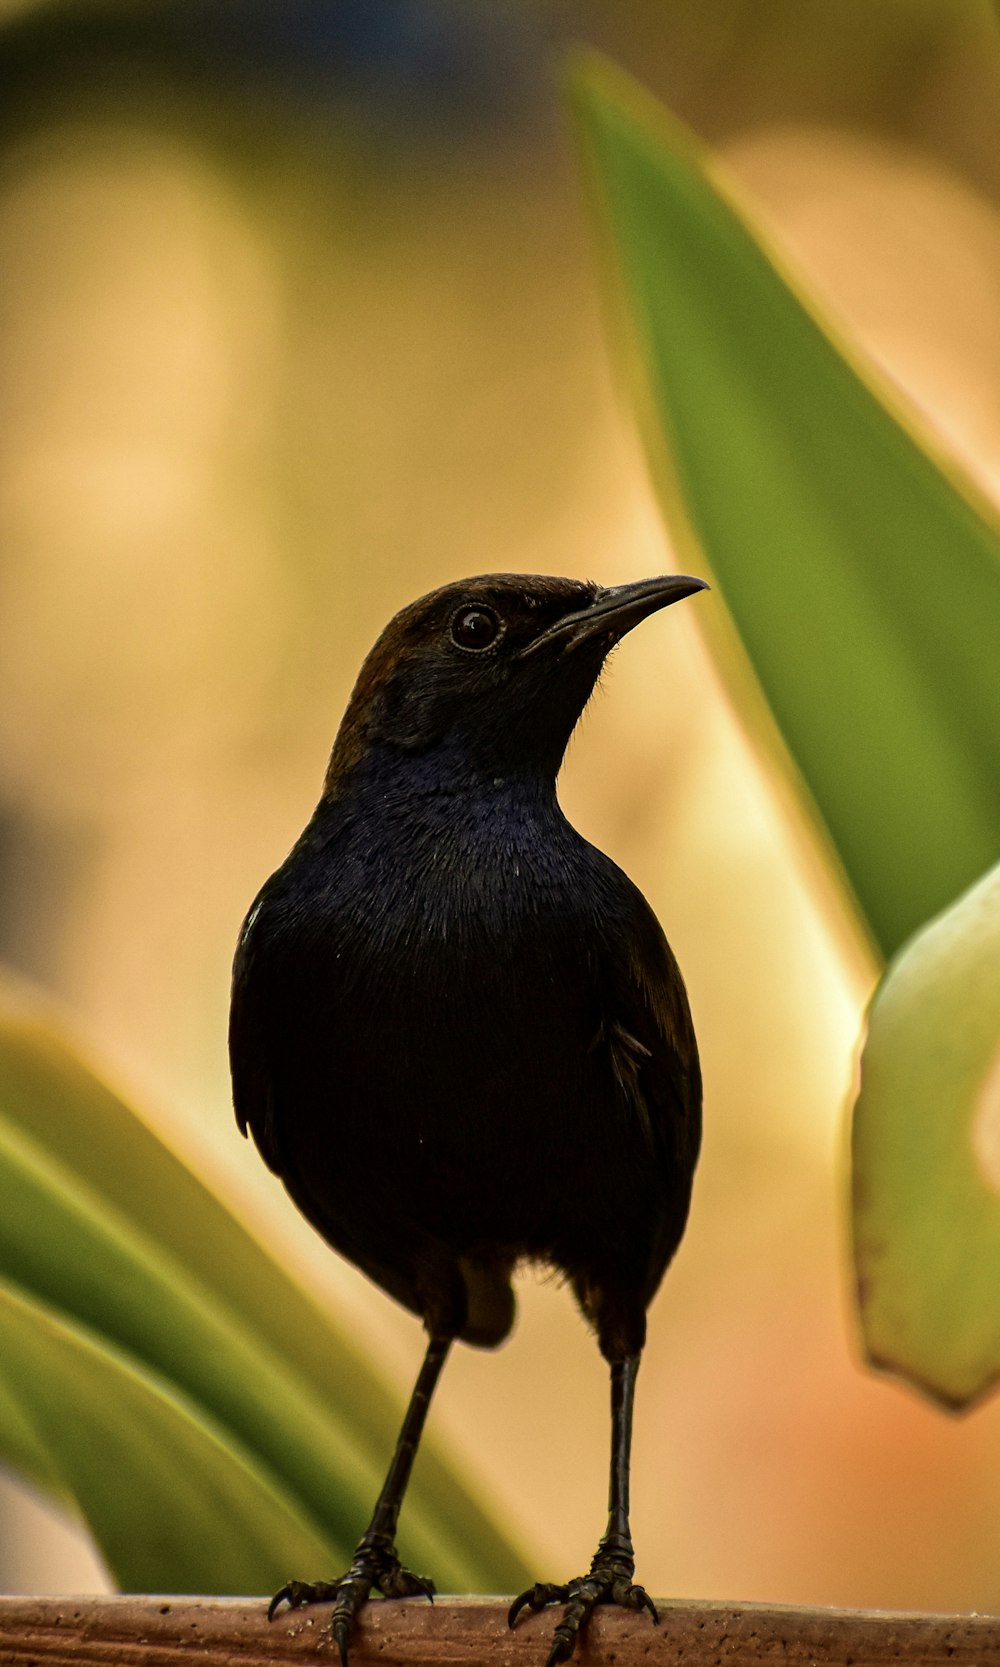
615,609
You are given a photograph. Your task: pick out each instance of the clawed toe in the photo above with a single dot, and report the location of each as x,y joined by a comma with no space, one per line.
639,1598
535,1598
297,1593
397,1582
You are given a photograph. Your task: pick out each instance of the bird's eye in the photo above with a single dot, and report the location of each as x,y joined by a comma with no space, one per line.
475,627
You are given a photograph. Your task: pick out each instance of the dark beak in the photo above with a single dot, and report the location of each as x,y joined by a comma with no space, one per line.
615,610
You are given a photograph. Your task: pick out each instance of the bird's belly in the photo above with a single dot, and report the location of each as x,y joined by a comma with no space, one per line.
479,1112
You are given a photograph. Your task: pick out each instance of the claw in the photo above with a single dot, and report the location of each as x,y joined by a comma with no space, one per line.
341,1631
646,1602
297,1593
537,1597
284,1596
514,1611
516,1607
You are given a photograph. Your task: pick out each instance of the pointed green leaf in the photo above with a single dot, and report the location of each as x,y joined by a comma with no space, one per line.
173,1506
101,1222
926,1150
863,577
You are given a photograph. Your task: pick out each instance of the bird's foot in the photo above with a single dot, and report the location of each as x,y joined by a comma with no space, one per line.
609,1581
375,1565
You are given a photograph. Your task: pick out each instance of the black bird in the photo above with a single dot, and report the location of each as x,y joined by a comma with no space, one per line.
458,1033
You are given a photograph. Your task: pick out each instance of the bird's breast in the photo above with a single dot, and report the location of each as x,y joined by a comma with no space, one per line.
443,986
460,874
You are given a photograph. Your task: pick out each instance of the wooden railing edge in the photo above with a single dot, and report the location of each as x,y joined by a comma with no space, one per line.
234,1632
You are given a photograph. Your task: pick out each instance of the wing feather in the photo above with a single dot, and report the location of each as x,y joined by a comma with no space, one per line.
649,1036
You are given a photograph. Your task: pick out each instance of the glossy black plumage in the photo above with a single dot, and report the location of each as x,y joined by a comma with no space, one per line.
458,1033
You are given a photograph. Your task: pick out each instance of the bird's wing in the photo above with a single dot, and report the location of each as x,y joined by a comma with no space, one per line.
251,1040
258,1033
649,1040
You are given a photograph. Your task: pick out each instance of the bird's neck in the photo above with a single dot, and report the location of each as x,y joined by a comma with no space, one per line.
443,774
402,820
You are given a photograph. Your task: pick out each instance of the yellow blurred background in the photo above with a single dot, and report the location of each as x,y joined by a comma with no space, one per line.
299,319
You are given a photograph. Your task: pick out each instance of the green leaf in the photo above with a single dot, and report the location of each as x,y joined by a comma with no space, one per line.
100,1221
926,1149
21,1450
172,1504
863,576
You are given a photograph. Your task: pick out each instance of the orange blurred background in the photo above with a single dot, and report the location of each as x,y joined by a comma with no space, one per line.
299,319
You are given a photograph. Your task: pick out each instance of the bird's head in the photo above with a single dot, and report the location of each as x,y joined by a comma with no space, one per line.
493,671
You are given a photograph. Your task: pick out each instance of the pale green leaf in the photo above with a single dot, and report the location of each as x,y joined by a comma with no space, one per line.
927,1156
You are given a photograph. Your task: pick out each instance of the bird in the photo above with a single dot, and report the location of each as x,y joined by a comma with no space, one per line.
458,1034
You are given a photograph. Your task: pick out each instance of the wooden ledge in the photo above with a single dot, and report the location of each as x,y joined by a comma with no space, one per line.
463,1632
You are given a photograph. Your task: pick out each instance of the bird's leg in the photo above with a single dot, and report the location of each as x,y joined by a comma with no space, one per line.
611,1571
375,1561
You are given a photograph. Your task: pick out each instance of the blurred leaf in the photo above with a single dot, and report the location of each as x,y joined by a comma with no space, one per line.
21,1450
172,1505
101,1222
926,1149
63,1243
863,576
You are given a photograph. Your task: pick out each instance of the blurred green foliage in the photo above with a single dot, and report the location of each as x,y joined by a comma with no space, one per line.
863,577
171,1502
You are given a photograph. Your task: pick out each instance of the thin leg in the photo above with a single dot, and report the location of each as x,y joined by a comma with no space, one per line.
617,1541
376,1563
386,1514
611,1571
